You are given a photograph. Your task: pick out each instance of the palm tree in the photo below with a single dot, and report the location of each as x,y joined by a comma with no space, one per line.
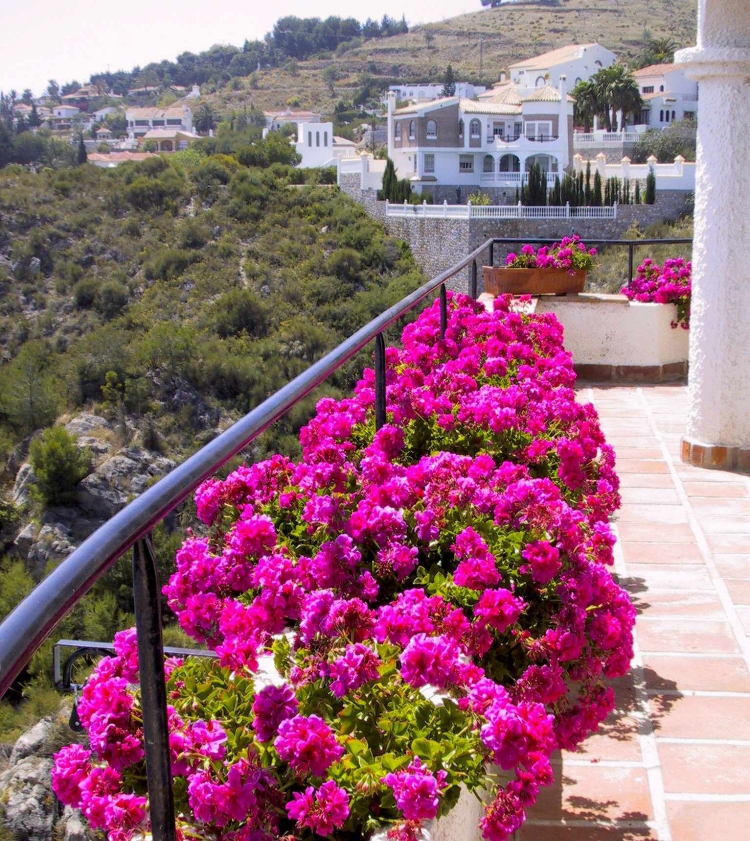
205,118
658,51
619,90
588,102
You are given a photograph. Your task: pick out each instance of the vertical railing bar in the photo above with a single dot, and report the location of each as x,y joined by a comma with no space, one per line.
492,253
630,263
443,311
473,281
147,600
379,381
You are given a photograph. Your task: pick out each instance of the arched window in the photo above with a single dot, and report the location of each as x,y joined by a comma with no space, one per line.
598,63
661,116
489,164
673,116
661,88
317,138
540,80
460,128
397,131
411,129
325,138
309,139
475,128
431,130
578,79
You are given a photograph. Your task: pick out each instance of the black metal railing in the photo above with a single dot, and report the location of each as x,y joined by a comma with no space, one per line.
29,624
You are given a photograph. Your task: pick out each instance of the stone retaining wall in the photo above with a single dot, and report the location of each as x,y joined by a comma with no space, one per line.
438,244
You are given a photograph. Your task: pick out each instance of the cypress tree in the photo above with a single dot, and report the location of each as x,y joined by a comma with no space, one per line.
587,186
637,194
650,196
81,156
596,198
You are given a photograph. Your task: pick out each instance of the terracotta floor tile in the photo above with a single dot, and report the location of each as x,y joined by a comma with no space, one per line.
725,490
671,514
700,717
670,577
648,532
708,674
645,480
705,769
743,613
689,473
639,452
616,739
593,792
559,832
723,516
675,636
739,590
649,496
683,605
661,553
633,441
733,566
706,821
631,465
728,544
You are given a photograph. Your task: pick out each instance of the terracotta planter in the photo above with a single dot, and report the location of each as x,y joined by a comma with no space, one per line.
498,280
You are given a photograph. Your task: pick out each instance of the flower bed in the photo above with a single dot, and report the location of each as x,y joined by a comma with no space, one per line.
435,594
667,284
570,254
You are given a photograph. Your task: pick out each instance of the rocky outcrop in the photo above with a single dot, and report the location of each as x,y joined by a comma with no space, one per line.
21,487
118,479
29,809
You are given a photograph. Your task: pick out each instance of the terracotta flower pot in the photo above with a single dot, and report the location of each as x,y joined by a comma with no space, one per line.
498,280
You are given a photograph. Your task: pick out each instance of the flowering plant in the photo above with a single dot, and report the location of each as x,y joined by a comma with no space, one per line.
569,254
668,284
434,594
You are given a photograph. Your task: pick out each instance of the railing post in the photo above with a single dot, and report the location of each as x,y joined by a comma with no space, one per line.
443,311
379,381
614,210
473,280
445,208
492,253
468,205
630,262
146,596
567,210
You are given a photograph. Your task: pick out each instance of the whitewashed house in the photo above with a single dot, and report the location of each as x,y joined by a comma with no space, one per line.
668,95
143,120
276,119
577,62
454,143
318,145
428,92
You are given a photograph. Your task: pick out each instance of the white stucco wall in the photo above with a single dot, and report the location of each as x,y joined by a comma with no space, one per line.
610,330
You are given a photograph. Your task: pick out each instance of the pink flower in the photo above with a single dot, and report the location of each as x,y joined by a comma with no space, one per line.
323,810
72,766
358,666
417,790
544,560
308,744
499,608
272,705
429,660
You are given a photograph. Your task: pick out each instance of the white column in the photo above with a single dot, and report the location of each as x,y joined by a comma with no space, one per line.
718,432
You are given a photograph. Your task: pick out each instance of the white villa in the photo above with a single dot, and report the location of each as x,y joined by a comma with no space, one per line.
667,93
141,121
458,142
276,119
428,92
577,62
319,146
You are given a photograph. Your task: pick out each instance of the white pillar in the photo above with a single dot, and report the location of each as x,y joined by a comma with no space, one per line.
718,432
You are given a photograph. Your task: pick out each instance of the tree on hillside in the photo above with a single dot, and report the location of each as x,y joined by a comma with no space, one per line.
205,118
449,82
53,90
657,51
330,77
588,102
493,4
81,156
34,119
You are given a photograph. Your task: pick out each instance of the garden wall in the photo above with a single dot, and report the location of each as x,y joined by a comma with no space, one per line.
438,244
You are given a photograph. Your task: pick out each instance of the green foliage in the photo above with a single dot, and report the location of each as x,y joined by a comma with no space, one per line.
534,191
597,197
649,197
665,145
479,199
85,292
59,465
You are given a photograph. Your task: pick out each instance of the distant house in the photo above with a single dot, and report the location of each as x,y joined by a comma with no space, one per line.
318,145
143,120
667,93
276,119
63,116
427,92
81,98
452,143
169,139
111,160
577,62
102,113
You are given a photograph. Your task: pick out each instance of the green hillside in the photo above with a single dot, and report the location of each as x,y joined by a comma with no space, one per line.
478,46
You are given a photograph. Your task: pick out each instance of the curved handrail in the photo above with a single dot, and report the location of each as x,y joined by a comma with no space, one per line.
26,628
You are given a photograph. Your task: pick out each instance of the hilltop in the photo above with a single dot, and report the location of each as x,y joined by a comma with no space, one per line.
478,45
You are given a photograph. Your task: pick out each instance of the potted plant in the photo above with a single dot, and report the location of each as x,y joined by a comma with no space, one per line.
667,284
557,270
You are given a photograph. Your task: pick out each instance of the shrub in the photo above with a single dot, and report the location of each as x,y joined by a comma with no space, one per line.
112,299
239,311
459,551
344,263
85,292
59,465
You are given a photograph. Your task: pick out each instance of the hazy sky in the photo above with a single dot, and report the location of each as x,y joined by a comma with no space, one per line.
46,39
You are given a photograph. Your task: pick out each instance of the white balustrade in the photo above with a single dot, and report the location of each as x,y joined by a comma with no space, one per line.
501,211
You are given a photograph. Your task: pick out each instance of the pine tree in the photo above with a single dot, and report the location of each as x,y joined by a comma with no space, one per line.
81,156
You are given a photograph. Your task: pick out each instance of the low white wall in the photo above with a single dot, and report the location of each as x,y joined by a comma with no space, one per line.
610,330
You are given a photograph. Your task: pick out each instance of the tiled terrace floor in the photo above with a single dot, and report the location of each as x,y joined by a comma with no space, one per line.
673,762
